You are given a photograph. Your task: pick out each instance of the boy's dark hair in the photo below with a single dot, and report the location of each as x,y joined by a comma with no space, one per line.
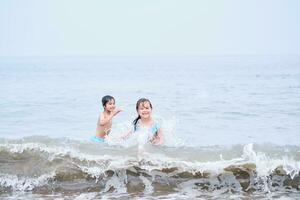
106,99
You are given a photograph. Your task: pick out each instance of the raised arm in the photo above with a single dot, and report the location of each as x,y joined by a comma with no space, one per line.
103,120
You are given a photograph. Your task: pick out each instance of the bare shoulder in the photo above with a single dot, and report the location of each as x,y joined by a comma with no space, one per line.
101,117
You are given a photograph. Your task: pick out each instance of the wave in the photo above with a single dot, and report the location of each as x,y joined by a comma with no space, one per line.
42,164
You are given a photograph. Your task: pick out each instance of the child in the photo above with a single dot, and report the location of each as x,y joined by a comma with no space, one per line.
144,122
105,118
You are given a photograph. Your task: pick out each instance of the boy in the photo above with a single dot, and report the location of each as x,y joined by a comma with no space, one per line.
105,118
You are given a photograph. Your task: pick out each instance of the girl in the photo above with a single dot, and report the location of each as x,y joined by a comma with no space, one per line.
144,122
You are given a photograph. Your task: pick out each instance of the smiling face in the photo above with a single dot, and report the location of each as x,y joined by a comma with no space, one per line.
110,105
144,110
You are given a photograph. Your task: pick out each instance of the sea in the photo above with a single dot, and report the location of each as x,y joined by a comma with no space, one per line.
231,127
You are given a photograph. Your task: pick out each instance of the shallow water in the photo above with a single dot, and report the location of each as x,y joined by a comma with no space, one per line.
231,126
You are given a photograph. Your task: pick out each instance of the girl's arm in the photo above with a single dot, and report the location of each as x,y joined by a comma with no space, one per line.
158,138
126,135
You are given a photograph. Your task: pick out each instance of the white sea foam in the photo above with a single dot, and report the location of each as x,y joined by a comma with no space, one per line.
24,183
124,157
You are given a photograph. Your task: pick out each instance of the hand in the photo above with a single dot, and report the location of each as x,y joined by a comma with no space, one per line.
153,140
126,135
116,111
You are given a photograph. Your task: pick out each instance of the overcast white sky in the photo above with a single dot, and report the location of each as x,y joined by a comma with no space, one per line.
148,27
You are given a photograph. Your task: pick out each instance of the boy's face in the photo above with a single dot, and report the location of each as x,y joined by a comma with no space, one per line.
144,110
110,106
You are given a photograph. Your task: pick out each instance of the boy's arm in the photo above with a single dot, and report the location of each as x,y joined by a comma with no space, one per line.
104,120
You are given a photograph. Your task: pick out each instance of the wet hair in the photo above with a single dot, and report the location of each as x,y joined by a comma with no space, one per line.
106,99
142,100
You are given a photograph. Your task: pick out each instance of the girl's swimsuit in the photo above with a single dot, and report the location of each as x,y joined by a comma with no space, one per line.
152,129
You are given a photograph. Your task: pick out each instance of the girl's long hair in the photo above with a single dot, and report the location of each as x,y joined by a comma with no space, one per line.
142,100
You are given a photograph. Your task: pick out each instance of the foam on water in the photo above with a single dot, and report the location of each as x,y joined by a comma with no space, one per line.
119,130
120,169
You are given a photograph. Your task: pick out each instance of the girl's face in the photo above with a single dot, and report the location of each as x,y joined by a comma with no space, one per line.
110,106
144,110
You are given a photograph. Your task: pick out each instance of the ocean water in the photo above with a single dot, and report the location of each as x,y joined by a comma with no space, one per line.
231,126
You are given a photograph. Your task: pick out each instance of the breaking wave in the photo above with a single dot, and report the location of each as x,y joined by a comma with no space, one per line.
44,164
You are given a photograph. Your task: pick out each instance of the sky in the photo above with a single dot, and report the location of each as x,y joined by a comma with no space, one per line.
149,27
